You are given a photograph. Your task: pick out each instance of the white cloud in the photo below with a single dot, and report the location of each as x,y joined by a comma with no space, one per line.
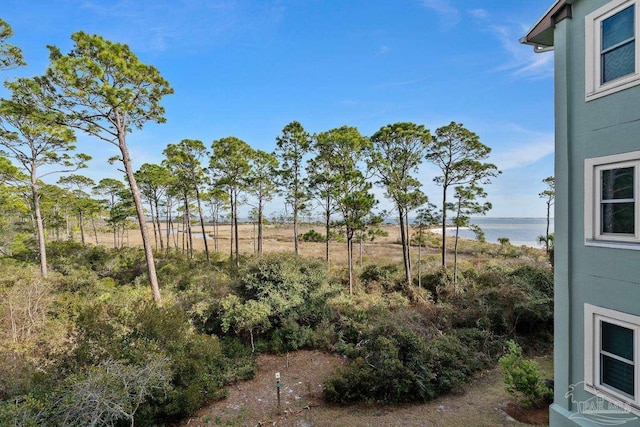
449,15
525,148
401,83
383,50
180,24
520,59
478,13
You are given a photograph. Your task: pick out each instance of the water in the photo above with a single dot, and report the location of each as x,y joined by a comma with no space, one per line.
519,231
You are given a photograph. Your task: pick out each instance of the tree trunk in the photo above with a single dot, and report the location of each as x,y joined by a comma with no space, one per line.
183,235
171,231
455,260
155,202
39,224
455,250
148,252
235,227
420,258
214,215
260,214
350,258
231,222
204,234
95,230
408,231
81,221
156,230
444,226
327,224
67,224
187,223
295,229
405,244
546,242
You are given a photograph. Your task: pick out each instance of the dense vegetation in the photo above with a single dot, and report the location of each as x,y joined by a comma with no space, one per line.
86,344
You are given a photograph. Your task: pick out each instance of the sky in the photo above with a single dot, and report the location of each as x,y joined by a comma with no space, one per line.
247,68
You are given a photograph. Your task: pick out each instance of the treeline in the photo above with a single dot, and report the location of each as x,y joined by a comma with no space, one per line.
100,88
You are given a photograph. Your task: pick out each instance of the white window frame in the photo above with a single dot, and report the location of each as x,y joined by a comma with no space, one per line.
593,167
593,315
593,41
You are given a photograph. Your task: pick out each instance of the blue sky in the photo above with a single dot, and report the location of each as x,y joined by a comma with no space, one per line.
247,68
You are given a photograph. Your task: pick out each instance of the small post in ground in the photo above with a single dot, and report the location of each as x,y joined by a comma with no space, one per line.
278,386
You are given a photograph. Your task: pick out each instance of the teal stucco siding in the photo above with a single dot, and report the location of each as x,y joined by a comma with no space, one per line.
601,276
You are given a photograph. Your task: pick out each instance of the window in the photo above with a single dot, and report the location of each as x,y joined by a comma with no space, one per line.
612,56
611,355
612,195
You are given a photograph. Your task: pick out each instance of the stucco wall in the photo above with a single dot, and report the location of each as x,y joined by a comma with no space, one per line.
604,277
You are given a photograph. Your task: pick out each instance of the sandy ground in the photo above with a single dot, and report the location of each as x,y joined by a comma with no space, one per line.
254,403
276,239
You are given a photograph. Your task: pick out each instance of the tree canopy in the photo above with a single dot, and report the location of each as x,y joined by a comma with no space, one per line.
106,91
459,155
10,55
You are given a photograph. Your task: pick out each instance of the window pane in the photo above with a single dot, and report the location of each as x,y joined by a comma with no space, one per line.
618,218
618,28
617,374
617,183
617,340
619,62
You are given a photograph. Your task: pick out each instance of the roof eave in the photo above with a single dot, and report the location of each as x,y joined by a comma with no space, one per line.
540,36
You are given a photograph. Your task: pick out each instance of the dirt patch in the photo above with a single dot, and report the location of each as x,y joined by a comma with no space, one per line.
528,414
254,403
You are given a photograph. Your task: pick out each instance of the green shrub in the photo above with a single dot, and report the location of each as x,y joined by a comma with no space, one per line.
386,277
237,362
439,283
312,236
293,294
108,393
456,356
192,359
523,378
397,358
106,331
25,412
506,301
123,265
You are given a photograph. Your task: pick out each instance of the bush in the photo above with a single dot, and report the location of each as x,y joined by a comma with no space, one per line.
506,302
397,358
123,265
386,276
192,359
106,331
523,378
439,283
312,236
291,292
108,393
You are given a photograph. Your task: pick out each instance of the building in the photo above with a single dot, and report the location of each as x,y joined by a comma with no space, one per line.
597,210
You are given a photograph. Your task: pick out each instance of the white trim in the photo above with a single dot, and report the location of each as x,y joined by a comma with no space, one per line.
593,315
612,245
593,87
592,232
